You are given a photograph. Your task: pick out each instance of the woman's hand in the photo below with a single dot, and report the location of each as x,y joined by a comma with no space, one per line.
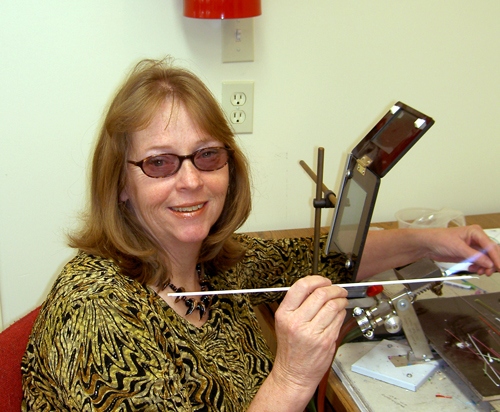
388,249
466,243
308,322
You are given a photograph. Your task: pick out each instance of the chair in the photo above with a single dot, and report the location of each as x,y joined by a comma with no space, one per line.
13,341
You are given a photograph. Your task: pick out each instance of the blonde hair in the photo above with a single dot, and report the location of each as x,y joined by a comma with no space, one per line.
110,229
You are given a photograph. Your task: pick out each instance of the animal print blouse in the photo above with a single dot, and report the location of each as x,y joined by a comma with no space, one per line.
104,342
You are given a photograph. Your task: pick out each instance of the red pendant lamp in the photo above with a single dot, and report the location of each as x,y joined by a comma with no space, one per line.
222,9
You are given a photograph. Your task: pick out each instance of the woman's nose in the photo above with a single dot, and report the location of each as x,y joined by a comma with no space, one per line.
189,176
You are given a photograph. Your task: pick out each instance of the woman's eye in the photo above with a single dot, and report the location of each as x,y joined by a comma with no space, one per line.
157,162
160,161
208,153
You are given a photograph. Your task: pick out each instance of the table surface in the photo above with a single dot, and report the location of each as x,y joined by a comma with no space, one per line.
337,393
486,221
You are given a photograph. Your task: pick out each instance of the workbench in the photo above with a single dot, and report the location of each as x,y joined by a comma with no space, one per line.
341,397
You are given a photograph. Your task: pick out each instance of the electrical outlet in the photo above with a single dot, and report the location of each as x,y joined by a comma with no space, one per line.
238,99
237,103
238,116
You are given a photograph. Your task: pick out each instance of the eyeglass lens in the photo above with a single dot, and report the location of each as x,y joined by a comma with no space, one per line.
164,165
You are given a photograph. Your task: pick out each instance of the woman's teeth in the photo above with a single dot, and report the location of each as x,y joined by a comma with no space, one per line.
187,209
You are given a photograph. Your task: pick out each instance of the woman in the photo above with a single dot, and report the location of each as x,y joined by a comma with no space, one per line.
169,188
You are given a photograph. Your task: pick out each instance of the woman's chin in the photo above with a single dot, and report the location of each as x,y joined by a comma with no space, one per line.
192,237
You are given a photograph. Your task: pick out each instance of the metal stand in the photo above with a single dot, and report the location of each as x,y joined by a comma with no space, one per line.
319,203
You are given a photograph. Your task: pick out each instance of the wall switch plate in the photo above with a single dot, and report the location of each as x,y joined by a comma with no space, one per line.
237,40
237,103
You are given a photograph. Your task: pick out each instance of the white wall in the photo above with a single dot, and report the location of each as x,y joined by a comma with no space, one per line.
324,72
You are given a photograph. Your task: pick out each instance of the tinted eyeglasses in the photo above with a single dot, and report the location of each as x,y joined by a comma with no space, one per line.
167,164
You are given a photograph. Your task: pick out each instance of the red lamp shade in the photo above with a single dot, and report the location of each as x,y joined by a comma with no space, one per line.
222,9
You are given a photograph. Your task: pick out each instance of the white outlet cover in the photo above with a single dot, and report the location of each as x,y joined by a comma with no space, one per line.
229,90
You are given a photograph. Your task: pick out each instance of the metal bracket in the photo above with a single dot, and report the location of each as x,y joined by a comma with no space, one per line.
412,328
363,163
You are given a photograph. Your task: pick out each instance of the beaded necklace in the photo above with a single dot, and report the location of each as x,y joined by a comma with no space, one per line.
192,304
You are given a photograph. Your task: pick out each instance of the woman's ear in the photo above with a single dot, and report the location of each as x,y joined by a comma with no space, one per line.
124,195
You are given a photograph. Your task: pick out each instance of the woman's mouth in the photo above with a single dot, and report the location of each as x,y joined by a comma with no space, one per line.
188,208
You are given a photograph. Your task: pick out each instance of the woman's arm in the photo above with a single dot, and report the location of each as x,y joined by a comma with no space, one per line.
387,249
282,262
308,322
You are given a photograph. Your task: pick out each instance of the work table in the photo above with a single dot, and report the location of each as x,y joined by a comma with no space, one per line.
337,393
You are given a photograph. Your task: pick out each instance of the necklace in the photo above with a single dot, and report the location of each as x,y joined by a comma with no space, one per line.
192,304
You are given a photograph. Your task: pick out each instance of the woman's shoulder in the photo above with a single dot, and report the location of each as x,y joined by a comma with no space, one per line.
89,285
256,245
91,264
89,276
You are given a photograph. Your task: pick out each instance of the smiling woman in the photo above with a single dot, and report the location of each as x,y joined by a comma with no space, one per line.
169,187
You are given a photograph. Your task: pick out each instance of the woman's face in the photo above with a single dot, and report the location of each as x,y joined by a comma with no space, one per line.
179,209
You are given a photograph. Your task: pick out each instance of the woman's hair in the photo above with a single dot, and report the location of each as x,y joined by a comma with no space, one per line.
110,228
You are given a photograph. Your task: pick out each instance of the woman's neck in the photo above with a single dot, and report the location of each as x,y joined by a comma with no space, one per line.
181,267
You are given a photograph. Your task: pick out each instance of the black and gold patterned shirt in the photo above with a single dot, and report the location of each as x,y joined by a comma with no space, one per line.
104,342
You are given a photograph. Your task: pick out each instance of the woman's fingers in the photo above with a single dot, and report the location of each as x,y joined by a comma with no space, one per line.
311,307
308,295
308,322
331,321
301,290
465,244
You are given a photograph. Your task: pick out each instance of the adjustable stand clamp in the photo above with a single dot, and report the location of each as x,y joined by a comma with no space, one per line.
325,202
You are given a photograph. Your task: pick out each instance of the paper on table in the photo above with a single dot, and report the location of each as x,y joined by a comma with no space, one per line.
377,364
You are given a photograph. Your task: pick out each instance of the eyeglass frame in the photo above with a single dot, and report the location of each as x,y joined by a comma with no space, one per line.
181,158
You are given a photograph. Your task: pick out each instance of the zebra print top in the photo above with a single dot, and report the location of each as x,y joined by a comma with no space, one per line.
104,342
